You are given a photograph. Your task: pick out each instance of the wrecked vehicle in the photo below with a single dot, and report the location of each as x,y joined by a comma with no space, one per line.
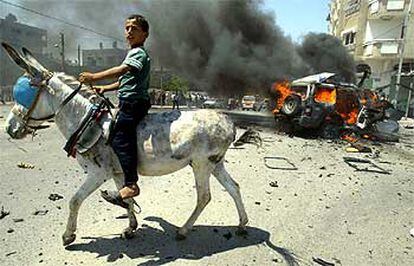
322,103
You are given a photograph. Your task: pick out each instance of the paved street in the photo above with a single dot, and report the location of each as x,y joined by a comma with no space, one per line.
324,209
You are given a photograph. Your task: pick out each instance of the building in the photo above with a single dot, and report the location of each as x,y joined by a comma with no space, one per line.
372,32
103,57
18,35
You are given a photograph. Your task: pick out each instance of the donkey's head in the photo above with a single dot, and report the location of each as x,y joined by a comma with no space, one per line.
29,110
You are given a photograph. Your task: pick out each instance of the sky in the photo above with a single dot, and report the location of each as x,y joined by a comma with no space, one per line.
298,17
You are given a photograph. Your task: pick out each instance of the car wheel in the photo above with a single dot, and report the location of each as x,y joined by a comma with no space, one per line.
291,105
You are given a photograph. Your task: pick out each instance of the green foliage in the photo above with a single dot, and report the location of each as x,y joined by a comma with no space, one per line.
176,84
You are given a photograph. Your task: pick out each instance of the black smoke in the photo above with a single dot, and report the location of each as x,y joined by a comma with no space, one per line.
224,46
232,47
323,52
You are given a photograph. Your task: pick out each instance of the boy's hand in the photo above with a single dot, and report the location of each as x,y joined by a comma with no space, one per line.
86,77
98,89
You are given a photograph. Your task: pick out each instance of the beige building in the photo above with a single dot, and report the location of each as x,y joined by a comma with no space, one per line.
372,32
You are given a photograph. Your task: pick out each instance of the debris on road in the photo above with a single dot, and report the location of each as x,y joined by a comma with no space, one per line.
370,166
355,147
3,213
273,184
249,136
54,197
276,158
40,212
25,165
322,262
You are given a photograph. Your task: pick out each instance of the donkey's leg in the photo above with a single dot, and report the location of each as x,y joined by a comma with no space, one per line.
128,232
92,182
202,178
233,189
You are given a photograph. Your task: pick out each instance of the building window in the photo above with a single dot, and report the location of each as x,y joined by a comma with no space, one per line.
349,37
395,5
351,7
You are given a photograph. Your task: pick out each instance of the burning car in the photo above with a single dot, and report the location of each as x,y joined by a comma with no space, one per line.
318,101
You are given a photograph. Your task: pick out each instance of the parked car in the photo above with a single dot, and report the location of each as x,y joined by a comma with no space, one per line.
248,102
214,103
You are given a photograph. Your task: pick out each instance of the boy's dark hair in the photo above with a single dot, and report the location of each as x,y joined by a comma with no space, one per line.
141,21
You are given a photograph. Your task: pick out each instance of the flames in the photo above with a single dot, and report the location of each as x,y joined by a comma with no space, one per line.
325,95
347,102
283,91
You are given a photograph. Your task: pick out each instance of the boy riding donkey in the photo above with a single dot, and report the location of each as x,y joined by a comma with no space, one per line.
134,103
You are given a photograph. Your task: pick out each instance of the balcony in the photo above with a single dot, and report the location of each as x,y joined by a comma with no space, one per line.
386,10
381,48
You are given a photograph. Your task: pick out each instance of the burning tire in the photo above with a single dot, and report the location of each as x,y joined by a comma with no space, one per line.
291,105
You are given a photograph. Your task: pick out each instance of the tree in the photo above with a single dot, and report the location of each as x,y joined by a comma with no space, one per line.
177,84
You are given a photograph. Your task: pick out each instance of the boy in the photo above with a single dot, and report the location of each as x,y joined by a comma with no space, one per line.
134,102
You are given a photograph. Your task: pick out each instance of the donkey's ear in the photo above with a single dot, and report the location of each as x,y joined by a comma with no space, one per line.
21,61
29,56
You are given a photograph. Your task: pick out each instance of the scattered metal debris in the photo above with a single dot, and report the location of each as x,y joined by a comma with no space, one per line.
25,165
355,147
40,212
249,136
273,184
3,213
370,166
322,262
54,197
11,253
275,158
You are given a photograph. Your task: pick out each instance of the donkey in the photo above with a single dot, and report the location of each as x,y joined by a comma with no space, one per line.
167,142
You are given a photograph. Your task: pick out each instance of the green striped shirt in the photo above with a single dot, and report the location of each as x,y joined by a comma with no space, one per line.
134,84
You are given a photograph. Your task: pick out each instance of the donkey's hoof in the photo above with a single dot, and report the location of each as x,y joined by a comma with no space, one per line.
68,239
128,233
241,231
180,237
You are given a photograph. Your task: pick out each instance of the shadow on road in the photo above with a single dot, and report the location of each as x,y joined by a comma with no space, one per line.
161,247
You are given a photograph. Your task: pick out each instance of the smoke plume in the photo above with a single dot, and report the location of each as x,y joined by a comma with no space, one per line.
226,47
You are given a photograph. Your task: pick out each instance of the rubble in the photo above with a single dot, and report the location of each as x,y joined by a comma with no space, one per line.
3,213
290,165
55,197
369,166
249,136
25,165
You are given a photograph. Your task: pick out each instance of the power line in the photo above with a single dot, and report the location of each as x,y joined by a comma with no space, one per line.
61,20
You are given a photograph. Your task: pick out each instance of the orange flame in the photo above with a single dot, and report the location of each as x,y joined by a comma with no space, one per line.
325,95
349,138
283,91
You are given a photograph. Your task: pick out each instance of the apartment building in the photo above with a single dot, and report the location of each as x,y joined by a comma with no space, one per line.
372,32
18,35
103,57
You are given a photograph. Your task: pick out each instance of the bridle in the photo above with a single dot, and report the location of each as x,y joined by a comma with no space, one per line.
26,115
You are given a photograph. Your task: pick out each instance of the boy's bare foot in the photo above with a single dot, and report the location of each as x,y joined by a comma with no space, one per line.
129,191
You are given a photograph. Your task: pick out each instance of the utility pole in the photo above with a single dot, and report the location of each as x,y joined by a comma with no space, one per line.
407,110
62,50
402,45
79,57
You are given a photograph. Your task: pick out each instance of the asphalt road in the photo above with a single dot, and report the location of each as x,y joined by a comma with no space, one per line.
324,209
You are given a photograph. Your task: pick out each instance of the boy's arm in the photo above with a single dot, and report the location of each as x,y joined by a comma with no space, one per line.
115,72
106,88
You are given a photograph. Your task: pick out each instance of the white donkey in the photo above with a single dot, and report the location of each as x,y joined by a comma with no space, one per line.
167,142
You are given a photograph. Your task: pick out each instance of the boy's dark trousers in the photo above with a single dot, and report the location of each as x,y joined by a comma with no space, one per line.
124,141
